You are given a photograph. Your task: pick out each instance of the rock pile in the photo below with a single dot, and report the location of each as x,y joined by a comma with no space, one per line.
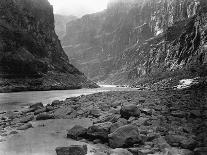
144,122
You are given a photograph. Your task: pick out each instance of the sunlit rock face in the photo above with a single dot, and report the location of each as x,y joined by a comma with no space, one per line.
133,39
31,56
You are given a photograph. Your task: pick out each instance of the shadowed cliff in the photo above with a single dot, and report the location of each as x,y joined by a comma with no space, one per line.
31,56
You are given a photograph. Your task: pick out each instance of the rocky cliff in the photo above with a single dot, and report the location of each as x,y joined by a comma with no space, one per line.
140,39
60,24
31,56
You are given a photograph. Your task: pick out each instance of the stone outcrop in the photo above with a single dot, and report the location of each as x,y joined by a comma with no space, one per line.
140,38
31,56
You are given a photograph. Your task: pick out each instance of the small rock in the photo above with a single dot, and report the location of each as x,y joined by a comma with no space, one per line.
131,119
36,106
176,151
72,150
116,125
146,111
56,103
139,151
129,110
179,114
63,111
96,141
76,132
188,143
25,126
44,116
2,140
195,113
140,121
95,112
120,151
39,111
13,133
26,119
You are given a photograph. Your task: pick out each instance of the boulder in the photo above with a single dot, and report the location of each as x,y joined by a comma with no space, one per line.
128,110
44,116
116,125
56,103
99,131
184,142
25,126
76,132
124,136
39,111
141,121
62,112
26,119
176,151
120,151
36,106
72,150
95,112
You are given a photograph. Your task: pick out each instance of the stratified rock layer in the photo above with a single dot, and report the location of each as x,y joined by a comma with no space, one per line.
140,38
31,56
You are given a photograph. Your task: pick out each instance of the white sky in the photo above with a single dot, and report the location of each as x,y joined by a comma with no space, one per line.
78,7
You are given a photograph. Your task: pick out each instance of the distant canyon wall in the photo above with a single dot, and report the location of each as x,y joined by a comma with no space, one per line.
132,39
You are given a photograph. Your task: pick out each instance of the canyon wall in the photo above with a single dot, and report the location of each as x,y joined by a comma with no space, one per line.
31,56
131,40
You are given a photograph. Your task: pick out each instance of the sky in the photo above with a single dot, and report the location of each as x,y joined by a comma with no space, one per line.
78,7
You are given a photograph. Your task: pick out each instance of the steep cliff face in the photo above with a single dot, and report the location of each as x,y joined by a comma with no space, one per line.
31,56
60,24
140,39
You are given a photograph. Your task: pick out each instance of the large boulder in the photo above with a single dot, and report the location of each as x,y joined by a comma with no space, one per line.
124,136
72,150
128,110
76,132
99,131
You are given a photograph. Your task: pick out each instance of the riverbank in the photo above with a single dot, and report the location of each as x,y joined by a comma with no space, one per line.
172,121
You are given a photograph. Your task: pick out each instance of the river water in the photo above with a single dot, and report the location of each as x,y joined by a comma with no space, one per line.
20,100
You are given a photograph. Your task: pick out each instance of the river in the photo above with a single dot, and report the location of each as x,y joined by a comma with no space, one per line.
21,100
